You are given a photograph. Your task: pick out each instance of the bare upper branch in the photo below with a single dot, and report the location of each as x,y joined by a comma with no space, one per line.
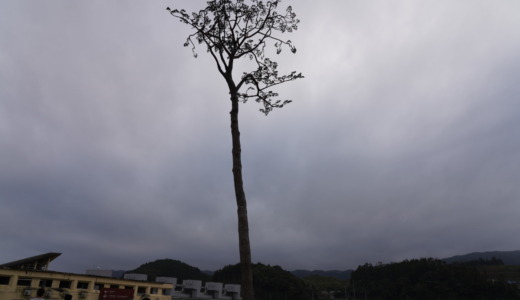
233,29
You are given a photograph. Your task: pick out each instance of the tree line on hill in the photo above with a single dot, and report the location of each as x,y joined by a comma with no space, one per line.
171,268
429,278
424,279
270,282
507,257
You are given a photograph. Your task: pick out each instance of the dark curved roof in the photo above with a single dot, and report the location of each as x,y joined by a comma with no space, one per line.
38,262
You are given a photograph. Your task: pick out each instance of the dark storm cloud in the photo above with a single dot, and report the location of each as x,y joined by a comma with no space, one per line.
401,141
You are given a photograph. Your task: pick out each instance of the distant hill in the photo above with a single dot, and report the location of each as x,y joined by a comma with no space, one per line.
181,271
170,268
429,278
343,275
507,257
270,282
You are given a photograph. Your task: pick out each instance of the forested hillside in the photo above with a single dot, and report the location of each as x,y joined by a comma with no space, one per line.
342,275
428,279
270,282
507,257
481,277
170,268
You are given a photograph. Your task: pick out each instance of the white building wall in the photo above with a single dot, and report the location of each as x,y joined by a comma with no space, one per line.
171,280
232,289
192,287
214,289
135,276
99,272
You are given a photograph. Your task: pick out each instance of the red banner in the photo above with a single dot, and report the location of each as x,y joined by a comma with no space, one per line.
116,294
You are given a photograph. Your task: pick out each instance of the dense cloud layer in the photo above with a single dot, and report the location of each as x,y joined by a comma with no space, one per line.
402,140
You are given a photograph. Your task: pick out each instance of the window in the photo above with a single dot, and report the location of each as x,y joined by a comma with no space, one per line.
98,286
141,290
82,285
114,286
45,283
4,280
24,281
65,284
166,292
154,291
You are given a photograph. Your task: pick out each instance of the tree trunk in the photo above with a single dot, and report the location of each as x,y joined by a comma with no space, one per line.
243,224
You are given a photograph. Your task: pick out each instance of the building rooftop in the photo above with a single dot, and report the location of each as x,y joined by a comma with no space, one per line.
38,262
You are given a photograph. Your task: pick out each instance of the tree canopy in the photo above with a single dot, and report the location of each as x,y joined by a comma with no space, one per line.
232,30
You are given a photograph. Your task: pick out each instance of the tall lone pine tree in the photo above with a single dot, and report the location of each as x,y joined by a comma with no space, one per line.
232,30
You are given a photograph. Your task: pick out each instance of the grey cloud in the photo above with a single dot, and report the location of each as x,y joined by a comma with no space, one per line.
401,141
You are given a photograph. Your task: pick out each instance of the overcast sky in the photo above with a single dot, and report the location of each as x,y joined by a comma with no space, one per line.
402,141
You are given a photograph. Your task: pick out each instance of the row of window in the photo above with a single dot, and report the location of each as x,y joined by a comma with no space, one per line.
67,284
64,284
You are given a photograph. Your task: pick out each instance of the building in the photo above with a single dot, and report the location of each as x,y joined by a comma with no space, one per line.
211,290
19,280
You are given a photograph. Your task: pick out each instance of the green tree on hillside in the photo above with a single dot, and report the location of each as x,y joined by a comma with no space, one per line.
328,285
425,279
271,282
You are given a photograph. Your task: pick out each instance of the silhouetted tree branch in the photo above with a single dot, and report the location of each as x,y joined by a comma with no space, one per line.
232,30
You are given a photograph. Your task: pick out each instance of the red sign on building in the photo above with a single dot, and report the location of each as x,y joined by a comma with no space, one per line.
116,294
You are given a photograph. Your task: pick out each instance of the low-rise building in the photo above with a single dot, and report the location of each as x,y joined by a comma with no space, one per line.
20,280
